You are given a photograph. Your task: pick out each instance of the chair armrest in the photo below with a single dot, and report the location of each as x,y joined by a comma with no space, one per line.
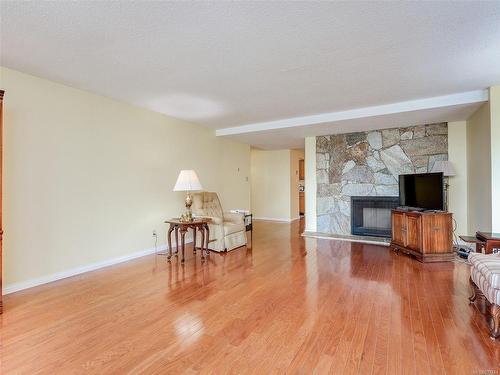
213,219
233,217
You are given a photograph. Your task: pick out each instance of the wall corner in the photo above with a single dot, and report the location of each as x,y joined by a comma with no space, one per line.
310,184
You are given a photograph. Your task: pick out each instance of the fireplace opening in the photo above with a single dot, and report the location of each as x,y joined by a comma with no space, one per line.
371,216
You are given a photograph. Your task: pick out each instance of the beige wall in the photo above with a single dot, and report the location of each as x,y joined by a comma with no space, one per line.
295,156
87,178
310,185
457,193
495,157
479,169
270,171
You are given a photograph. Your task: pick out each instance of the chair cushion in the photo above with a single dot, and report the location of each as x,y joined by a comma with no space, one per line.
491,294
488,266
207,204
230,227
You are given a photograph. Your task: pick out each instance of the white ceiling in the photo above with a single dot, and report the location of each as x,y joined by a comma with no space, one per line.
227,64
293,137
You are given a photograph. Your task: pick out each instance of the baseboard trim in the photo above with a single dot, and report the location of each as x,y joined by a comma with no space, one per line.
278,219
16,287
325,236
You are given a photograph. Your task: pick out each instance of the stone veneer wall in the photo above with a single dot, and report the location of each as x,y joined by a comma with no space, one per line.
369,163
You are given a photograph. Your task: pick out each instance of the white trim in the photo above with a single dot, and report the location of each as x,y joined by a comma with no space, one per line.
11,288
468,97
310,184
279,219
310,235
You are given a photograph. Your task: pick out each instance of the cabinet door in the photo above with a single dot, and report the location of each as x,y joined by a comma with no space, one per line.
437,234
301,170
398,228
413,233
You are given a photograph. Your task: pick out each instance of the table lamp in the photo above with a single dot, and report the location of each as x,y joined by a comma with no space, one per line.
188,181
448,170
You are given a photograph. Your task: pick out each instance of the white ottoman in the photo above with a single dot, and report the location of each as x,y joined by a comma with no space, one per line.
485,281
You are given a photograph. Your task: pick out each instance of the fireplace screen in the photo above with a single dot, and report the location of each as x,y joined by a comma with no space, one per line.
371,216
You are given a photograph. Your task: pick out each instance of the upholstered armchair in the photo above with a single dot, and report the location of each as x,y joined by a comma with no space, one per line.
227,230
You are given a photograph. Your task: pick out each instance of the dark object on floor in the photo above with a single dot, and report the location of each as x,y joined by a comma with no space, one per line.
463,251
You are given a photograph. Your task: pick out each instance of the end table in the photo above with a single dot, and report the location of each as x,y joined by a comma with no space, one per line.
177,226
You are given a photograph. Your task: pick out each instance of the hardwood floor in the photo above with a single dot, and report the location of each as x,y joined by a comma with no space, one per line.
290,305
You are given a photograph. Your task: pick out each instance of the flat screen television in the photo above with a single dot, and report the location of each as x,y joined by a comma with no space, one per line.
424,191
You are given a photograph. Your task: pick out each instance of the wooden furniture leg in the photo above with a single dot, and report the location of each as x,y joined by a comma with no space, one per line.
169,239
473,289
202,242
495,316
176,240
183,242
207,240
493,309
194,240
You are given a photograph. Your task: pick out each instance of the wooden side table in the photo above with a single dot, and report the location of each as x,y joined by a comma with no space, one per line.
470,239
486,242
248,219
177,226
492,241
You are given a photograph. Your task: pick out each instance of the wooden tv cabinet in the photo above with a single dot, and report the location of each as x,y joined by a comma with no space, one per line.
425,235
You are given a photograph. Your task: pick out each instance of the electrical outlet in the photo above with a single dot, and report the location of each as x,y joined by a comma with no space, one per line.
154,232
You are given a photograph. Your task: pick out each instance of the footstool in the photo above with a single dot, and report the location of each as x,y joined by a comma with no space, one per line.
485,281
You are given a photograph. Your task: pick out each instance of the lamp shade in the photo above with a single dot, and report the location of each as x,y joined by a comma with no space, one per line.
444,166
187,181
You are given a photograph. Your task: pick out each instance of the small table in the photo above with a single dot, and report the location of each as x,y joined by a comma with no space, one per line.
176,225
248,220
492,241
486,241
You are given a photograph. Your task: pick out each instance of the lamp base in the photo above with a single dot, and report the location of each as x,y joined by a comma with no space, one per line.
187,217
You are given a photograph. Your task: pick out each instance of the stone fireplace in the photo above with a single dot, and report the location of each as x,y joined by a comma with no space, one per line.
371,216
368,164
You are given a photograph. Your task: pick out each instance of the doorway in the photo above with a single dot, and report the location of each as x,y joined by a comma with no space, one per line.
302,197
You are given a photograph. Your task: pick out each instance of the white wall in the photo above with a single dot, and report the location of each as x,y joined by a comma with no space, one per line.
310,185
457,193
87,178
495,157
479,170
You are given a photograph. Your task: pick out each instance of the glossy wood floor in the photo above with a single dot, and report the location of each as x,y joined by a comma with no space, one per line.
288,306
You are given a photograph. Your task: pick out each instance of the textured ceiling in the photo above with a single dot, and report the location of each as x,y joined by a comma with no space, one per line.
225,64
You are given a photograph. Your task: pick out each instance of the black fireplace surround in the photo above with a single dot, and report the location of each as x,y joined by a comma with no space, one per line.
371,216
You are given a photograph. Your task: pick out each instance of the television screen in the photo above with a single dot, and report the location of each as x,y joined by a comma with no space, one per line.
422,191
